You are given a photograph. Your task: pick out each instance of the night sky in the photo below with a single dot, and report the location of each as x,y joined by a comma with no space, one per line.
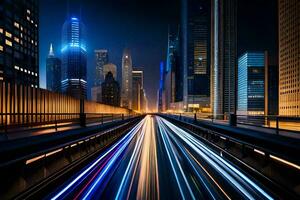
142,26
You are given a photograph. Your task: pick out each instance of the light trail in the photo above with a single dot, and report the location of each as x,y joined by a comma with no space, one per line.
231,173
123,142
158,156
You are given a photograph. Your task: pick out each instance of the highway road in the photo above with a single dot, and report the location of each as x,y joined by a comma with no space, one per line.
158,160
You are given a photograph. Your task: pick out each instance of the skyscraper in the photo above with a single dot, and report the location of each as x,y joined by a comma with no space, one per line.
110,67
195,28
101,59
53,72
289,60
74,59
110,90
126,96
223,56
19,42
161,90
252,77
174,72
137,88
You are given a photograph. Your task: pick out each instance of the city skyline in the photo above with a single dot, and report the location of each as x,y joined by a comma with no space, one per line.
113,37
152,99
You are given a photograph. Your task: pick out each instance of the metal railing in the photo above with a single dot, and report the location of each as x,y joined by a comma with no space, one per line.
13,121
275,122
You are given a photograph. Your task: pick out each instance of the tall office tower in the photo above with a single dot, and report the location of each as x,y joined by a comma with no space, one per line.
19,42
53,72
110,67
110,90
289,61
174,71
195,29
101,59
126,96
161,89
223,56
252,84
137,88
74,59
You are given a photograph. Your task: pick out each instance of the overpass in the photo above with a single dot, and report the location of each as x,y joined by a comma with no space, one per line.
55,146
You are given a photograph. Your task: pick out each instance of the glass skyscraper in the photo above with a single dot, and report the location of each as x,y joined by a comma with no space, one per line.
251,83
74,61
19,42
174,71
223,56
289,57
126,96
195,28
53,72
101,59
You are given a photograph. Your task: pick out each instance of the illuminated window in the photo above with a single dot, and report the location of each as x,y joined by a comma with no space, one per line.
32,21
32,42
1,30
35,25
1,78
16,24
1,48
28,11
25,70
17,67
21,28
29,72
7,34
28,18
21,35
32,73
7,42
21,69
16,39
35,74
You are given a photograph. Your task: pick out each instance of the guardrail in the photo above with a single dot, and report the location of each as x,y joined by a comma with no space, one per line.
9,121
278,123
286,157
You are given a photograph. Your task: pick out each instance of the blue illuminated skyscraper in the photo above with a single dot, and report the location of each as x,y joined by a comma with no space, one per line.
251,83
161,91
74,59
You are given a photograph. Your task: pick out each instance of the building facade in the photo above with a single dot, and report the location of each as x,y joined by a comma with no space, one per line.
53,72
101,59
74,61
252,85
110,91
137,89
289,60
223,56
161,94
174,71
195,29
19,42
126,96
